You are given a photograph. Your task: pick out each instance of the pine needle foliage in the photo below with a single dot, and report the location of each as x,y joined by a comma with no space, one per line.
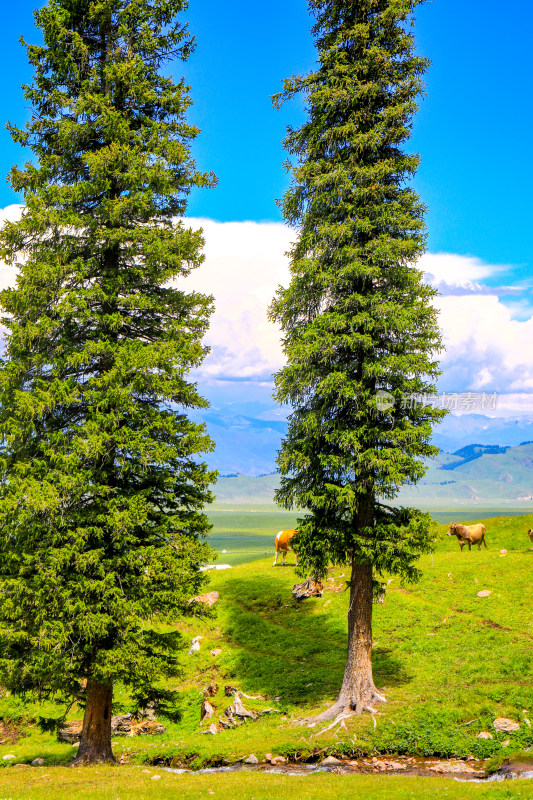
102,486
357,317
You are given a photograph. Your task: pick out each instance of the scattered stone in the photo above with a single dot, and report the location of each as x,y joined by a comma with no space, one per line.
146,772
212,729
252,759
20,764
503,552
394,765
278,760
155,778
330,761
380,765
268,756
506,743
484,735
207,710
505,725
38,762
8,757
71,732
444,767
211,689
229,690
195,645
309,588
484,593
216,652
208,599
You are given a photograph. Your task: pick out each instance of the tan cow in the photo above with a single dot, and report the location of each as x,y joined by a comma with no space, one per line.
282,544
468,534
530,534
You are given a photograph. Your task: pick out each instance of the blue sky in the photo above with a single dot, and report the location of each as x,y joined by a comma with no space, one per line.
473,132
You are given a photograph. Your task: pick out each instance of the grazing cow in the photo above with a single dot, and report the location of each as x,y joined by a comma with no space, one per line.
468,534
282,544
530,534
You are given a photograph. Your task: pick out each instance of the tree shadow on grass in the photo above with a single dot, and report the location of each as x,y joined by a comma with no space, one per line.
283,648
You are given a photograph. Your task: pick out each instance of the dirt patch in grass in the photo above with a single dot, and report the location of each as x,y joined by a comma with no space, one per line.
10,732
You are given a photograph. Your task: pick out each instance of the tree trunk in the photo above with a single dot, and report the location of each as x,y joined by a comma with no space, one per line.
358,691
95,745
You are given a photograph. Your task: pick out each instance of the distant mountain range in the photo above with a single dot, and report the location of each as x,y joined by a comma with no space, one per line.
476,474
248,436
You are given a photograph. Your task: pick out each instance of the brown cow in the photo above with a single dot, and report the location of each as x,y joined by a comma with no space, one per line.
530,534
468,534
282,544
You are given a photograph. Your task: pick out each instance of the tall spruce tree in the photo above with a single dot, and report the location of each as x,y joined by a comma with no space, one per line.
102,487
357,317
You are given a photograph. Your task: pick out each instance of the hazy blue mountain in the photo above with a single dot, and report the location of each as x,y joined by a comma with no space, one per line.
456,432
493,478
248,435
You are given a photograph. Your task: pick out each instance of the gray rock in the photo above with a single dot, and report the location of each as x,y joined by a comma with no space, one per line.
252,759
330,761
38,762
207,710
212,729
208,599
195,645
505,725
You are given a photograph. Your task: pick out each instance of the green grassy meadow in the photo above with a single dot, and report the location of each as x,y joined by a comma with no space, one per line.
247,533
448,662
132,783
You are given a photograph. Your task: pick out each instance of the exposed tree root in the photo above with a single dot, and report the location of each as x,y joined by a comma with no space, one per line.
350,708
339,720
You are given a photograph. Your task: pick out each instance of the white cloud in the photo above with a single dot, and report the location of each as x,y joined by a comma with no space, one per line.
449,269
486,347
245,262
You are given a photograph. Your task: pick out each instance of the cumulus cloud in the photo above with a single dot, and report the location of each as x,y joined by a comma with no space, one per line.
244,264
487,348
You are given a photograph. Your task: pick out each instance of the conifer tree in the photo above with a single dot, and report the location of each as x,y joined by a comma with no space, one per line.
360,332
102,488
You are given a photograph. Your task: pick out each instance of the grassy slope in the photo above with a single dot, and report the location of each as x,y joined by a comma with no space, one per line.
444,656
505,477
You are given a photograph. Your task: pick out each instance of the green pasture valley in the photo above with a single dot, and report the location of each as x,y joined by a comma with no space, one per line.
246,532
